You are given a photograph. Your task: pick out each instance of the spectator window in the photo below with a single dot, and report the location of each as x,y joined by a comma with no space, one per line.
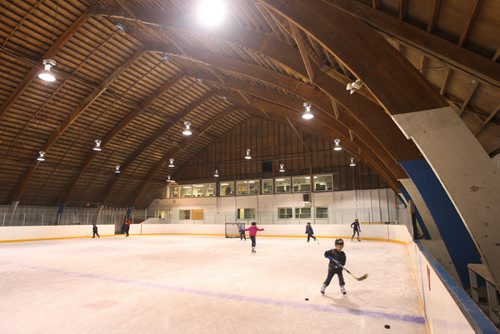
302,184
246,213
267,186
227,188
302,212
285,213
283,185
323,183
321,213
184,214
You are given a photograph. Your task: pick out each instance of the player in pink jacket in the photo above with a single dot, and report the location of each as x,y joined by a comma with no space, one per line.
253,233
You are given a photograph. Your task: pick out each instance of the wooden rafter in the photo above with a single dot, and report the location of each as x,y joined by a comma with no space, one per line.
303,52
472,91
470,22
169,124
446,81
32,74
437,47
436,8
403,9
487,120
66,124
376,4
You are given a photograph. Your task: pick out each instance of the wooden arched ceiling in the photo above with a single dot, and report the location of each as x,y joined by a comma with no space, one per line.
127,74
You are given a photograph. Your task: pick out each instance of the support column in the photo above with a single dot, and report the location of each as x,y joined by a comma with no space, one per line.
466,174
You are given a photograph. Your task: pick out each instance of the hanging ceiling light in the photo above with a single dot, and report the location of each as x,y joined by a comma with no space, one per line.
307,113
46,75
354,86
171,163
353,163
168,179
216,174
117,169
41,156
97,146
248,156
187,129
282,168
337,146
211,13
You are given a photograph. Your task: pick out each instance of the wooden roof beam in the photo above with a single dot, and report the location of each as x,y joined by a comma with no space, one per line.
403,10
436,8
472,91
303,52
470,22
437,47
32,74
487,120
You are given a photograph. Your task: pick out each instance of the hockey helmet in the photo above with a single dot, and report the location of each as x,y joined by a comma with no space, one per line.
339,242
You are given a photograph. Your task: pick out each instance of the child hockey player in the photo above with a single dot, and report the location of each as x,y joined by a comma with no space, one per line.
94,231
241,228
337,260
310,232
355,229
253,233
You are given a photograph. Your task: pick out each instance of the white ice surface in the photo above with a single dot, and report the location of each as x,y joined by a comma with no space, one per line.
182,284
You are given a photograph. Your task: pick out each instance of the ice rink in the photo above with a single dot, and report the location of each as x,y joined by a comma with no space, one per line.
187,284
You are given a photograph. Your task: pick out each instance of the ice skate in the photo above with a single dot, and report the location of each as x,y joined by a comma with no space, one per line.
322,289
253,250
342,289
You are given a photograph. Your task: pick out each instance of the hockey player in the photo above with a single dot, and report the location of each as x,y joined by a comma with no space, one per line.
241,229
253,233
95,231
337,260
355,229
310,232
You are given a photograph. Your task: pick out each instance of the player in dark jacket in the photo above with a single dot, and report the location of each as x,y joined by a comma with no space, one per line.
337,261
310,232
355,229
95,231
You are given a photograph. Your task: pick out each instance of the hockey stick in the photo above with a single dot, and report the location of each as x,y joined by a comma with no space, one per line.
361,278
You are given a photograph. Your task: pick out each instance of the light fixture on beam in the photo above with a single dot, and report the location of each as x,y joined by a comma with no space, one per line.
337,146
41,156
354,86
216,174
117,169
307,113
211,13
282,168
97,146
187,129
171,163
248,156
353,163
169,179
46,75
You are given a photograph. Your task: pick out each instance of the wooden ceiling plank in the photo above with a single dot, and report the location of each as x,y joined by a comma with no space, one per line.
436,8
32,74
470,22
403,10
376,4
435,46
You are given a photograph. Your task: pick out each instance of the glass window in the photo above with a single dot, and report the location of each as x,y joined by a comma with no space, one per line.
227,188
267,186
245,213
242,188
184,214
173,191
186,191
323,183
210,190
302,184
302,212
199,190
283,185
253,187
321,213
285,213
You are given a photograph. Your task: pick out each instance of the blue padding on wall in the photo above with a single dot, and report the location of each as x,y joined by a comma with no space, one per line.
457,239
420,221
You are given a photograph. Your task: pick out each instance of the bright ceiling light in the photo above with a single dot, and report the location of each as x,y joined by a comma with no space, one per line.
216,174
248,156
353,163
169,179
352,87
117,169
171,163
282,168
46,75
337,146
211,13
41,156
307,113
97,146
187,129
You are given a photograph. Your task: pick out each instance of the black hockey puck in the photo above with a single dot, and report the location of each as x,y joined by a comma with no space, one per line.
307,299
387,326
